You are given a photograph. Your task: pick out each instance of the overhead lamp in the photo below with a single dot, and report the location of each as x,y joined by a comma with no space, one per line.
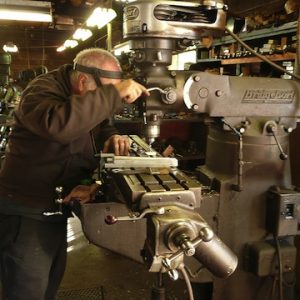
82,34
17,10
70,43
10,47
61,48
101,17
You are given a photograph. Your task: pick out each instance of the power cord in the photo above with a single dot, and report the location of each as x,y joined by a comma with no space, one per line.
280,270
187,280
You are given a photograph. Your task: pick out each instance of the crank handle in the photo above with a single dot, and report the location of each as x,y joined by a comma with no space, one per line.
156,88
110,220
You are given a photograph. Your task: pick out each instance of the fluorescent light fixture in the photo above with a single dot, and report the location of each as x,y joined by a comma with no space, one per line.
10,47
79,34
101,17
70,43
82,34
17,10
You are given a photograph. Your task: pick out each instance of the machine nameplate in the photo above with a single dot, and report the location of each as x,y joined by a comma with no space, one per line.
131,13
273,96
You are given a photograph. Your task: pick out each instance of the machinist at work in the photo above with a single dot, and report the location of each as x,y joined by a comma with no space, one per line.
61,122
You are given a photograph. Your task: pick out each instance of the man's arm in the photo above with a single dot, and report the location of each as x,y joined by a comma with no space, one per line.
46,111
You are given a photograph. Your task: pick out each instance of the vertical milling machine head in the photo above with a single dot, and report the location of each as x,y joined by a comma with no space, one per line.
156,29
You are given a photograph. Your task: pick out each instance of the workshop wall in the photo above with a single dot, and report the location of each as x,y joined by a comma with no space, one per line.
32,59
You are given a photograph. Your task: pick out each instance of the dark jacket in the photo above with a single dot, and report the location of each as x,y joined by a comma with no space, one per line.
50,144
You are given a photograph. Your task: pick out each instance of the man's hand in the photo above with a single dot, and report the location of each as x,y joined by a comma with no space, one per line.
82,193
119,144
130,90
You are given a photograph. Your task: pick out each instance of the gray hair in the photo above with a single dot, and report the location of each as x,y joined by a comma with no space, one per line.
87,58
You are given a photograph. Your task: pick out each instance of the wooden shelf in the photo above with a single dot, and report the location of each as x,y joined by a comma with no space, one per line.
208,60
253,59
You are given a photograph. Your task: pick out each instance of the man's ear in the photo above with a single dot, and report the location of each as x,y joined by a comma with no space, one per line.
81,82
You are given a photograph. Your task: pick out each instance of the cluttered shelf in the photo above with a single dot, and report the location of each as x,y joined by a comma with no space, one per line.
287,28
278,43
253,59
249,59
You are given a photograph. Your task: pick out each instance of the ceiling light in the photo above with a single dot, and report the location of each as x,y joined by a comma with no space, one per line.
17,10
101,17
70,43
82,34
10,47
61,48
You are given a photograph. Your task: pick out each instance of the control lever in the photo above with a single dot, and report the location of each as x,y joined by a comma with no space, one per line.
188,247
58,201
168,95
156,88
167,261
134,216
271,128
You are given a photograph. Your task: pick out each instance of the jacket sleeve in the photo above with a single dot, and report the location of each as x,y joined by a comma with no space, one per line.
47,112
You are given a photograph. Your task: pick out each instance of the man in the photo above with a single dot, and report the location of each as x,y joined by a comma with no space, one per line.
60,123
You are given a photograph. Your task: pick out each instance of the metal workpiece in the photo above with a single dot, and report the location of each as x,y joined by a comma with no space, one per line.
138,147
117,163
150,179
174,19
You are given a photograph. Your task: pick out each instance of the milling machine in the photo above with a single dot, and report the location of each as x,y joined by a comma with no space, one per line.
243,194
